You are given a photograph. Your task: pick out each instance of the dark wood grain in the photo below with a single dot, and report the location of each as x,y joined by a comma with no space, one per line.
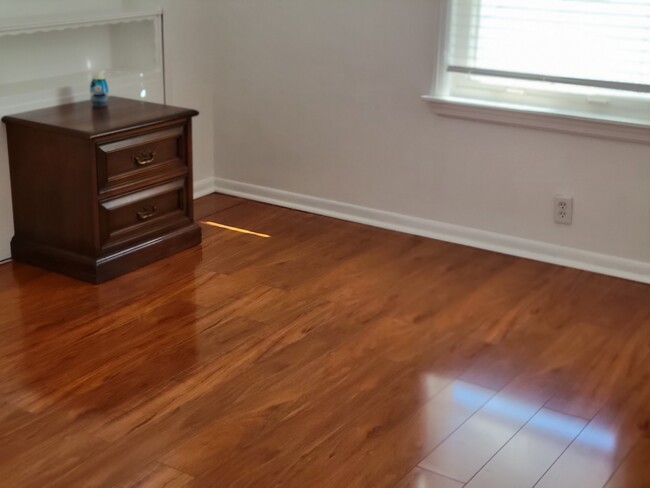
90,186
330,354
84,120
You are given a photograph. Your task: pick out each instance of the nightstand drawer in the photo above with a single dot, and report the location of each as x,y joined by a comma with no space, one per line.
137,215
141,157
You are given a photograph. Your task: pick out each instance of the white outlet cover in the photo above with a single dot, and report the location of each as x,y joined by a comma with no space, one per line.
563,210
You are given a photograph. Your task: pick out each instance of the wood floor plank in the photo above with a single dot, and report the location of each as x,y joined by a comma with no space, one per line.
634,471
214,365
316,427
44,449
395,436
257,444
329,354
523,460
620,324
603,445
344,365
212,204
39,389
468,449
273,378
420,478
159,476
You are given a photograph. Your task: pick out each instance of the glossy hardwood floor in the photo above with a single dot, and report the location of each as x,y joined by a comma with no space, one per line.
321,353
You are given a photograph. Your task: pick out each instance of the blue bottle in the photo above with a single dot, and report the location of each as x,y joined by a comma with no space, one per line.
99,90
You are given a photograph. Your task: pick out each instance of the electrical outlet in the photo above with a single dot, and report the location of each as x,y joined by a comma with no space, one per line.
563,210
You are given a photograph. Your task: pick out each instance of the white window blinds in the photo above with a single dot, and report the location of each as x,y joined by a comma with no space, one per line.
580,55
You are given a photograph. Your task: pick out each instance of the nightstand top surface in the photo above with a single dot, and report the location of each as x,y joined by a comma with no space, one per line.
83,119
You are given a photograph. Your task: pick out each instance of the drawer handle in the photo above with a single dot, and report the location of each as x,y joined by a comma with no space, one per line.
144,158
147,212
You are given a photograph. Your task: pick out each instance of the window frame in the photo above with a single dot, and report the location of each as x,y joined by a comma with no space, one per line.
505,112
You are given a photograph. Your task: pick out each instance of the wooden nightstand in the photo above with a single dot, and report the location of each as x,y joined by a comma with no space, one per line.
98,192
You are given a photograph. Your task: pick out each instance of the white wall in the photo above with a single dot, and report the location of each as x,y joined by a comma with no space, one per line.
322,98
188,40
188,69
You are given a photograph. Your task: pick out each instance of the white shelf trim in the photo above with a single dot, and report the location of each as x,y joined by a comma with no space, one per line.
538,119
32,24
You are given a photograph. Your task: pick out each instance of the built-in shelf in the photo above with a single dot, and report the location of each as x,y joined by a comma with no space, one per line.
50,60
69,20
56,90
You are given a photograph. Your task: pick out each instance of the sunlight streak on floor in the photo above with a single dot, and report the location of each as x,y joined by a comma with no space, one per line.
235,229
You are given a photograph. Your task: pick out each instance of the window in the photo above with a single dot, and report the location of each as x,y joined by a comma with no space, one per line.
589,58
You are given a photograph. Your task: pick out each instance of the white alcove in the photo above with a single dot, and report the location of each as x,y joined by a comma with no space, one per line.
49,60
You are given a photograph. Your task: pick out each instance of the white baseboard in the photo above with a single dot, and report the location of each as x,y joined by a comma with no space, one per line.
204,187
515,246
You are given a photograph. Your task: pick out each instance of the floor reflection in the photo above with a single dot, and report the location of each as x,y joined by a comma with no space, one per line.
487,438
506,409
94,365
235,229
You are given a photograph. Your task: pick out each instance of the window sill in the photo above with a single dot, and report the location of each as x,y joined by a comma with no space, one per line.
538,119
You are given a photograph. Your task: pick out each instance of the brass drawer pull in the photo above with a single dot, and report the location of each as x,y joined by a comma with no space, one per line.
144,158
147,212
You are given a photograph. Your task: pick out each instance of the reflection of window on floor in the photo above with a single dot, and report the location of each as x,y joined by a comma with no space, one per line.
479,436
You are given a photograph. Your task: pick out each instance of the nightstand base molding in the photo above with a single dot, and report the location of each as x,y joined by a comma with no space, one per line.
104,268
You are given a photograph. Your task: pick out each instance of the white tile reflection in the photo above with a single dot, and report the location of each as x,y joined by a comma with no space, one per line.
510,408
446,410
503,437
